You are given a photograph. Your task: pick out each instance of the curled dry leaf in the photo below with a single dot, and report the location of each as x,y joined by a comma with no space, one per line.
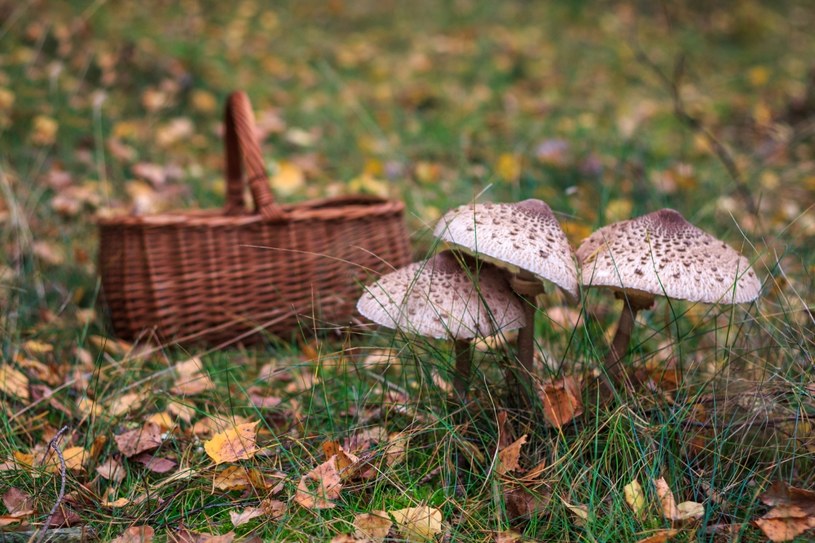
508,457
136,534
136,441
793,512
319,486
418,524
237,443
580,512
240,518
373,526
13,382
672,511
561,400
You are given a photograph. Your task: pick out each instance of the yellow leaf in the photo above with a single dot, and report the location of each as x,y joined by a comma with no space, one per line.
508,167
121,502
581,512
289,178
418,524
35,347
13,382
634,496
369,184
44,130
237,443
74,458
662,536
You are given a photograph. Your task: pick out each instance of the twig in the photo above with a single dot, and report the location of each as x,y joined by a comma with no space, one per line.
53,445
673,85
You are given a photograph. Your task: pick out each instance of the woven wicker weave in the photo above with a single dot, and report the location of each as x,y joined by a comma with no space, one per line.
222,276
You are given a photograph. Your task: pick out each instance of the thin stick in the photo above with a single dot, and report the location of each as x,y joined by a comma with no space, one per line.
53,445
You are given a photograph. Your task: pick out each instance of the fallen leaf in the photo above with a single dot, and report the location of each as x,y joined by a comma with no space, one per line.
74,458
581,512
156,464
661,536
395,450
111,470
242,517
509,536
191,379
793,512
672,511
418,523
13,382
288,179
508,457
121,405
521,503
139,440
373,526
120,502
18,503
237,443
326,487
634,496
561,400
136,534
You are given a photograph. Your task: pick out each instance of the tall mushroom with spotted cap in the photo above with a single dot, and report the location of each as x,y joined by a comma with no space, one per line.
661,254
524,237
447,296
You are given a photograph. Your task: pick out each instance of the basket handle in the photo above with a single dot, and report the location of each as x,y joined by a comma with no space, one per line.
243,151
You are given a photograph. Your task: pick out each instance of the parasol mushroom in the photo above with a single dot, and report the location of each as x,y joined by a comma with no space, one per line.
523,237
661,254
440,298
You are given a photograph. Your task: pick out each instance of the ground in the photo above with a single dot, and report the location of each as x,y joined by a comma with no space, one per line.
605,110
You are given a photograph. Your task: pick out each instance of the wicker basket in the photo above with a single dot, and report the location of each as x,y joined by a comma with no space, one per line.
225,276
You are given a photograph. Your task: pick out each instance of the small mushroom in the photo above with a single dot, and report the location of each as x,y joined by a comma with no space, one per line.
440,298
524,238
661,254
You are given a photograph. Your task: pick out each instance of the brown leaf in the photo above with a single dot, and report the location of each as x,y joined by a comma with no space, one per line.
509,536
793,512
326,483
156,464
661,536
111,470
509,457
373,526
561,400
121,405
136,534
139,440
237,443
522,503
18,503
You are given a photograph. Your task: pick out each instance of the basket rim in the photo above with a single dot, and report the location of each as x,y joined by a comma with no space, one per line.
332,208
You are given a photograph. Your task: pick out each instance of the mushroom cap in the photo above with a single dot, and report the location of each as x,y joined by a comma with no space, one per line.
438,298
663,254
524,235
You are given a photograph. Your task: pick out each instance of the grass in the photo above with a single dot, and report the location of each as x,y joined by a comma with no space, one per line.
435,103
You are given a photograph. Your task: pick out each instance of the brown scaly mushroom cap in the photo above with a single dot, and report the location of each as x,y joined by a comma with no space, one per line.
525,235
663,254
438,298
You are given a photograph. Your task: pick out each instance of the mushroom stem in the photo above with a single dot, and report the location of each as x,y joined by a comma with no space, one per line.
527,288
462,350
622,337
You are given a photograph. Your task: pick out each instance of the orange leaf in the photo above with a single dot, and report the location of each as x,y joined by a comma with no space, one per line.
237,443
